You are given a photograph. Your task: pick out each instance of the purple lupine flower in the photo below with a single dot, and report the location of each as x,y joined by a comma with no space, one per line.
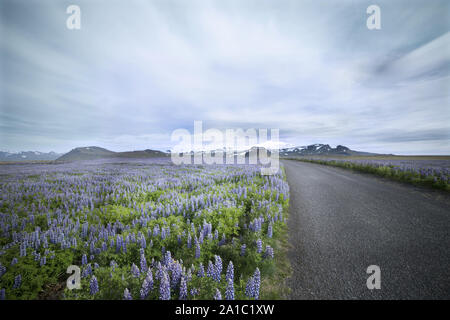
135,271
189,241
164,287
143,243
256,283
2,294
14,261
230,272
43,261
217,269
176,270
143,264
93,285
218,295
269,231
147,286
127,295
88,270
210,269
197,250
194,292
17,281
189,275
84,260
149,278
167,258
243,247
201,271
119,242
158,273
269,252
229,293
249,288
23,250
259,246
183,289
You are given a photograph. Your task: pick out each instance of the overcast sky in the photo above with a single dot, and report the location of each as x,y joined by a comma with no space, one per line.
137,70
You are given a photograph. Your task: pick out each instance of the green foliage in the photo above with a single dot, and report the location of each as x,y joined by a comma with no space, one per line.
388,171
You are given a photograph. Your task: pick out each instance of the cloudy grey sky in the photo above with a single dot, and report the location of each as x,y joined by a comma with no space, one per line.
137,70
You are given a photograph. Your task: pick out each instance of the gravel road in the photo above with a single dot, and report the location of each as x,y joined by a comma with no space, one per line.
341,222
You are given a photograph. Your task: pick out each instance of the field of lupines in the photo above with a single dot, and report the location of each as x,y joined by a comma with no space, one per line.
428,172
141,230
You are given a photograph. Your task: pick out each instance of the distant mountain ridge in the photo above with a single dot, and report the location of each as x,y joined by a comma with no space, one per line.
92,153
28,156
319,149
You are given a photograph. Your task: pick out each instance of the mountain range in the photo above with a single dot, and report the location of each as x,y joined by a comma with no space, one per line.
93,152
322,150
28,156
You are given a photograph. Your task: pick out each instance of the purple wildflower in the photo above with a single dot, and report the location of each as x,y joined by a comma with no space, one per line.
269,252
243,247
210,269
147,285
229,293
194,292
256,283
217,269
127,295
17,281
218,295
230,272
197,250
135,271
183,289
201,271
259,246
269,231
164,287
189,241
93,285
249,288
143,263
